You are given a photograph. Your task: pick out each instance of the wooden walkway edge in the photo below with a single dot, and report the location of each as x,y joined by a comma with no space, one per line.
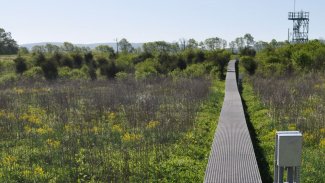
232,158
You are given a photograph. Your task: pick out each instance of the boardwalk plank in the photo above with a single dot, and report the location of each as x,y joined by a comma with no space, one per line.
232,158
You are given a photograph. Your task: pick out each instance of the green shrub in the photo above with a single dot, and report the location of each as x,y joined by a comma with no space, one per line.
8,78
77,60
124,62
7,66
67,61
220,58
249,64
92,73
78,74
109,69
21,65
39,59
302,60
34,73
50,70
146,69
64,72
195,70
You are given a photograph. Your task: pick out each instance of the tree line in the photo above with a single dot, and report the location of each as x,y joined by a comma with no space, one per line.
8,45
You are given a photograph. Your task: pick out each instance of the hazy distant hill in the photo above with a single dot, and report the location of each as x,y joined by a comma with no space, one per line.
91,46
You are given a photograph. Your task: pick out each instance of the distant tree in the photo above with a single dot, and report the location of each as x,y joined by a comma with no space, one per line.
183,43
106,50
7,44
38,49
224,43
142,57
181,64
66,61
21,65
274,43
81,50
248,51
50,70
51,48
199,56
202,45
92,73
240,43
23,51
220,58
57,56
77,60
192,44
39,59
68,47
260,45
249,40
215,43
174,48
159,47
125,46
89,58
109,69
249,64
232,46
302,59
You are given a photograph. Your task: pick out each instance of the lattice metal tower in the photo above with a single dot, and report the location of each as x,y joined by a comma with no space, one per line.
300,26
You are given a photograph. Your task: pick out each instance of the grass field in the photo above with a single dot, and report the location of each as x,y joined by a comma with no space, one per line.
107,131
289,103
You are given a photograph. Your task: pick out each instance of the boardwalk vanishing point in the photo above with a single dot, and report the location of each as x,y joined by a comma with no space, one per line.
232,158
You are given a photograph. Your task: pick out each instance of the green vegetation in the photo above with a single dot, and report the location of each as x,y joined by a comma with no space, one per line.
8,46
285,58
297,112
286,92
103,131
71,114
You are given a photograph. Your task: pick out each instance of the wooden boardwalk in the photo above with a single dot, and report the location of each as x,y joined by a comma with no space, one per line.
232,158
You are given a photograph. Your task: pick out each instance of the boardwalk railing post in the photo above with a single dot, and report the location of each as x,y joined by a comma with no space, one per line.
287,156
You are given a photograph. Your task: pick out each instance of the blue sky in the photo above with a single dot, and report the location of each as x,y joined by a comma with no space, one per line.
92,21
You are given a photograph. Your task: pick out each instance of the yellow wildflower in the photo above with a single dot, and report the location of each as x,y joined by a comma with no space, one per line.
308,137
27,129
322,143
11,116
26,173
322,130
131,137
68,127
117,128
53,143
95,130
41,131
44,130
292,127
38,171
9,160
111,116
152,124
